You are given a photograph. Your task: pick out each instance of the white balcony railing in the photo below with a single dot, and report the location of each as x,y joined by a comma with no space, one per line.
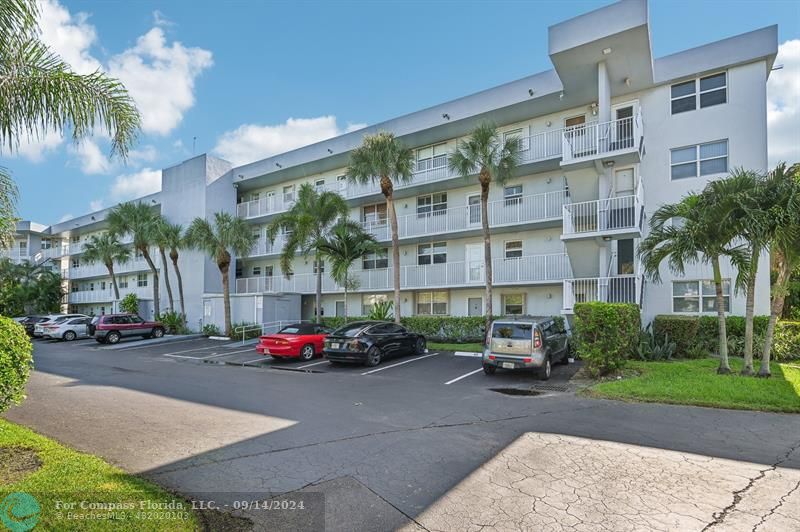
97,270
598,139
521,270
619,289
15,255
264,247
614,214
107,295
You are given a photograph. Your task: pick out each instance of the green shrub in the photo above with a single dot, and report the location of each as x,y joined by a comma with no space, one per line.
680,329
253,330
337,321
650,348
381,311
174,322
209,329
606,334
130,304
450,329
16,362
698,336
786,343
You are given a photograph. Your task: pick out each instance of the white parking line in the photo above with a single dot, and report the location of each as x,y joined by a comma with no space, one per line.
314,364
190,350
464,376
251,361
399,364
199,358
164,343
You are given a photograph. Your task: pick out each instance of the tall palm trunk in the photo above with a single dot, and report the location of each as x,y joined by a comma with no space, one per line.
388,190
318,302
165,267
154,271
485,180
780,289
224,264
173,255
724,366
110,267
346,282
750,296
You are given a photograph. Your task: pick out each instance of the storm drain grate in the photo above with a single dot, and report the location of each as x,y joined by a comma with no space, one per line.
516,391
552,387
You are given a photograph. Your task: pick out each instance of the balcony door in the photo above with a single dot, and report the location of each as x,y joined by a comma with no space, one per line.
474,262
474,208
622,132
621,211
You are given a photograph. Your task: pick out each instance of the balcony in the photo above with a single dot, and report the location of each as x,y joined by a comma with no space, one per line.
616,217
16,256
532,269
100,270
107,295
535,148
619,289
619,138
264,247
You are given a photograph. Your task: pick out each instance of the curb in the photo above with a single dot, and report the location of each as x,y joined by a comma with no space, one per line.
152,341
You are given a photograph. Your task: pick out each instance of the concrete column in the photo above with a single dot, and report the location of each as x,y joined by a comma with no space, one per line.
603,93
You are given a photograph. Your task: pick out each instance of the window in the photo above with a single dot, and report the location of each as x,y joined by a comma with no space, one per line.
435,253
46,243
713,90
255,196
513,249
518,134
700,160
513,304
75,239
431,204
102,311
322,266
369,300
699,296
513,194
374,214
431,157
102,285
76,262
141,280
256,233
23,245
432,303
575,122
341,181
319,184
288,193
256,271
374,261
123,282
238,271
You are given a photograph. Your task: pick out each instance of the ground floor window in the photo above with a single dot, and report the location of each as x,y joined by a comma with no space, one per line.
432,303
513,304
369,300
141,280
339,308
699,296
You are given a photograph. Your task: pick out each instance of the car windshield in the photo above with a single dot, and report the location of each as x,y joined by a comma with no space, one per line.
349,330
512,331
289,330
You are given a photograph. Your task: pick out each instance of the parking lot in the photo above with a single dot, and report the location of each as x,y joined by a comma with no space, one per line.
444,368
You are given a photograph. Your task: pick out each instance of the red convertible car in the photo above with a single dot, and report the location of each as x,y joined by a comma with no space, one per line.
300,340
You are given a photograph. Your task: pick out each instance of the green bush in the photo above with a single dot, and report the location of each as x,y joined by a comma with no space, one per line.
786,343
209,329
682,330
381,311
16,362
606,334
450,329
130,304
254,330
174,322
697,336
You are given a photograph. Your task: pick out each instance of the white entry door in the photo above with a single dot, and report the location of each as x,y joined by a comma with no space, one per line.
474,261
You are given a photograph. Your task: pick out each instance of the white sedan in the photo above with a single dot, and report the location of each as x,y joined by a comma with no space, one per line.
69,329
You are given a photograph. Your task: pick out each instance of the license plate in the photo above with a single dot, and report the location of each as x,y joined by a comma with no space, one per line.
334,345
508,365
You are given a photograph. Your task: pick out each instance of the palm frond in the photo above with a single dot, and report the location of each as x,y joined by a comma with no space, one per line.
8,208
380,155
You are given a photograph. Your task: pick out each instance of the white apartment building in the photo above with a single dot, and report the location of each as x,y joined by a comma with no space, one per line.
608,135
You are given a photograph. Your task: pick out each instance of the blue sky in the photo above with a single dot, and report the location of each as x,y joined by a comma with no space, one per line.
233,73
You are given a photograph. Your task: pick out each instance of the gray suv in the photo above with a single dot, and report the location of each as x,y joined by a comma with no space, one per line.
526,342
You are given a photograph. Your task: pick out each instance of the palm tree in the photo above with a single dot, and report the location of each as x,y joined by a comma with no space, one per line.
160,240
106,249
141,222
40,93
494,160
216,240
784,184
699,237
306,225
173,239
346,243
382,157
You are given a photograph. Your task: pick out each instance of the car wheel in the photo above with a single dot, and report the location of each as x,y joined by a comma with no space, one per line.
420,347
544,373
489,369
373,357
158,332
70,336
113,337
307,353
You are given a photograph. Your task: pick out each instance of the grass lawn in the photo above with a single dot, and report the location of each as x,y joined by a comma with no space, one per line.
71,477
695,382
473,348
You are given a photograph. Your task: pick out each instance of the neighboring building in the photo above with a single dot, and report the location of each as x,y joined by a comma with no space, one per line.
608,135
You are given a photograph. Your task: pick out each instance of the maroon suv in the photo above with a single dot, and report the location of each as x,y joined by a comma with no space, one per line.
111,328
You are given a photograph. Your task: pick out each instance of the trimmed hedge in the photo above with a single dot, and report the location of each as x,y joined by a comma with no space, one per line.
786,343
16,362
454,329
682,330
606,334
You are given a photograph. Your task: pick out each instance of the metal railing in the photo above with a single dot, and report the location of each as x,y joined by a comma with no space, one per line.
617,289
599,138
263,328
106,295
519,270
96,270
603,215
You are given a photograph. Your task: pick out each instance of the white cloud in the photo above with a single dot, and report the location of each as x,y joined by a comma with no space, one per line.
145,154
70,36
160,77
251,142
159,19
35,149
129,186
783,105
91,157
